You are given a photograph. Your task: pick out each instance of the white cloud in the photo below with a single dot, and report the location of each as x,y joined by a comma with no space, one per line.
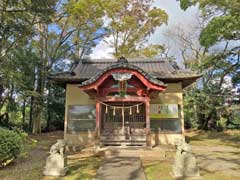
186,20
102,50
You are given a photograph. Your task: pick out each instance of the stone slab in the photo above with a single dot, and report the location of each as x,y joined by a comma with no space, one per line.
121,168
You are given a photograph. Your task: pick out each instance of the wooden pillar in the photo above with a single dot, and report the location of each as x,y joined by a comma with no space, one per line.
148,129
97,130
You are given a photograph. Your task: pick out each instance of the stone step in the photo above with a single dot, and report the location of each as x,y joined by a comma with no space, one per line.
123,137
123,143
142,152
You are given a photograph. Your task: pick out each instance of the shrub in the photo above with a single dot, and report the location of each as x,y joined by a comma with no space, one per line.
11,144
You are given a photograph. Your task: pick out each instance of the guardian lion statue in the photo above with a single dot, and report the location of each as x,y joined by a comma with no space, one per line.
185,163
56,163
58,147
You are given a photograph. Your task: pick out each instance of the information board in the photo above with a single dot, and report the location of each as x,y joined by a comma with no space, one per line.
164,111
81,118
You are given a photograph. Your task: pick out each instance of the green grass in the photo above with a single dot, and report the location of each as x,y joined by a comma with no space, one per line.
157,170
80,168
226,138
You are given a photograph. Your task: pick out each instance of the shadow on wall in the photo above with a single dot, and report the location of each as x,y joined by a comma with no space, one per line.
77,141
165,139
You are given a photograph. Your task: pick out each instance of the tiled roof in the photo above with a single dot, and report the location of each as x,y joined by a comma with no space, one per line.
119,65
161,69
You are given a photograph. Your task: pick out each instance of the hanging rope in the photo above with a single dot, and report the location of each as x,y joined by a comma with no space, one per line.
114,111
106,111
120,107
137,108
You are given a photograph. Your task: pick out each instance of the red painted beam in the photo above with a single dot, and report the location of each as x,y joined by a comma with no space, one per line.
123,99
106,91
102,78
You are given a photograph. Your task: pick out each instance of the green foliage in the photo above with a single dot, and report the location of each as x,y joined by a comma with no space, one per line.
224,21
184,4
85,21
130,23
18,59
11,144
206,103
149,51
223,27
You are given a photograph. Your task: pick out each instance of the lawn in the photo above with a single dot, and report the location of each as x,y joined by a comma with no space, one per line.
30,164
217,155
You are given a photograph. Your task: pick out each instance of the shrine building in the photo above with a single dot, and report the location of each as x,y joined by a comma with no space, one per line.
124,102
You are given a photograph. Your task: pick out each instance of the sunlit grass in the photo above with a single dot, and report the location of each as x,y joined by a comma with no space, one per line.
80,168
161,170
157,170
226,138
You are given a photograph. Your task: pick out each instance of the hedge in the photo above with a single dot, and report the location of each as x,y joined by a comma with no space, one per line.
11,144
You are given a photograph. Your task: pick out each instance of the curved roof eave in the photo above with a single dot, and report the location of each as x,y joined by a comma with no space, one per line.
124,65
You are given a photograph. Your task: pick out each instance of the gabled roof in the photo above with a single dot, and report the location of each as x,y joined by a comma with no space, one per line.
155,69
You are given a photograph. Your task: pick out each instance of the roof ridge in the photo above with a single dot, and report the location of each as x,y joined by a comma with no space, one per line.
130,60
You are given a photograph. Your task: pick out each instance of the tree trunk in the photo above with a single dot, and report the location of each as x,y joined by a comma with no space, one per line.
23,111
37,116
48,109
41,80
30,126
195,112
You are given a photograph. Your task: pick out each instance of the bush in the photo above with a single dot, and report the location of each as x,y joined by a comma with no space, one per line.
11,144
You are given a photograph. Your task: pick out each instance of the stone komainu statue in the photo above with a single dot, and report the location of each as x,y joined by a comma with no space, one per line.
185,163
58,148
56,163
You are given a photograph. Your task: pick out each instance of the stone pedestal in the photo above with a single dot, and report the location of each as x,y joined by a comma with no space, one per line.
56,165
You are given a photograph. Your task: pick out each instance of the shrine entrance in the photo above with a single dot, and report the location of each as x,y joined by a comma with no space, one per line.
122,93
123,123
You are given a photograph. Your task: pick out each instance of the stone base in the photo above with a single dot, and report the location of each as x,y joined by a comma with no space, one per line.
56,165
186,177
55,172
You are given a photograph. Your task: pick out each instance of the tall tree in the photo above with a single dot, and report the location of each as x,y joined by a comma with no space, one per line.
84,19
220,38
130,23
18,20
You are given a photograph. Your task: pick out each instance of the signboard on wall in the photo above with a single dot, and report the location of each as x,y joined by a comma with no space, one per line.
164,111
81,118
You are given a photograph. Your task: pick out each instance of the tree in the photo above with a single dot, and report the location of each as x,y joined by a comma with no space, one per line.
18,20
84,19
130,22
218,37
